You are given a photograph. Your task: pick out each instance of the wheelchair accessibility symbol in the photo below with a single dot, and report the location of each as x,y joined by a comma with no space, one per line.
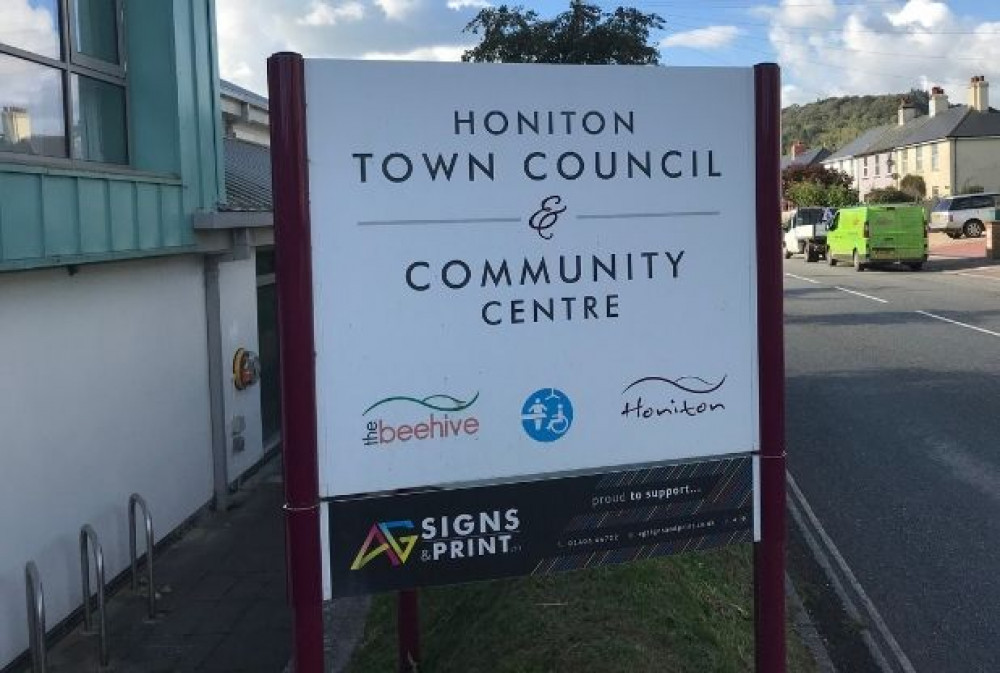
547,415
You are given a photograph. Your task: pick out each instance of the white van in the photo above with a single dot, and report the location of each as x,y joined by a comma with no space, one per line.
964,214
805,232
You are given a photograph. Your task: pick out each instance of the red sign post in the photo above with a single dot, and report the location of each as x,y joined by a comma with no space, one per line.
769,552
290,180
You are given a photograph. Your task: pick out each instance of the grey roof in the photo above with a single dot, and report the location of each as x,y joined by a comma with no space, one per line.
939,126
959,121
243,94
248,176
860,144
978,124
919,127
806,158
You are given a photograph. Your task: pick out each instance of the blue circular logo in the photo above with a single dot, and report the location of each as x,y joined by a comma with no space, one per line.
547,415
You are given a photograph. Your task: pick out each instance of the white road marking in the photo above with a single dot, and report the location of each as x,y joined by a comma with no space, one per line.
972,275
861,294
808,280
960,324
838,587
873,613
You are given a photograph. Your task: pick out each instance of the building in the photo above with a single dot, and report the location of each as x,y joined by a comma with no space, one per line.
134,252
245,115
957,150
845,158
800,155
954,148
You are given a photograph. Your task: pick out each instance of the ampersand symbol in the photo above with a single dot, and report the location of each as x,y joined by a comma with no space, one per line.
546,217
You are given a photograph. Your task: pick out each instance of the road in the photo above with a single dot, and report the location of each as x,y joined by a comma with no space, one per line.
893,427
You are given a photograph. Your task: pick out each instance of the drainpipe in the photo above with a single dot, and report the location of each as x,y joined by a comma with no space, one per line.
954,167
217,406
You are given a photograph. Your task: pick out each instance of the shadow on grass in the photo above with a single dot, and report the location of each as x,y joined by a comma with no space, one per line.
685,614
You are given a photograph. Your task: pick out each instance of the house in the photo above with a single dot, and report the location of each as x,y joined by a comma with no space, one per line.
800,155
957,150
954,148
134,263
845,158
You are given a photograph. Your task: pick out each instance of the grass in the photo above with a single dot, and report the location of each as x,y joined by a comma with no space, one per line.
684,614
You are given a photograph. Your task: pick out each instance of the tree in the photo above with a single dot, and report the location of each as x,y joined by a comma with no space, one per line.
914,186
888,195
816,194
822,175
583,34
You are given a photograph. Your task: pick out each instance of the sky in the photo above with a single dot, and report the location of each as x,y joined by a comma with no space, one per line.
825,47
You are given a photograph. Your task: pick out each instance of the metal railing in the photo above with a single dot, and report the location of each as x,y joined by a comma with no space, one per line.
35,596
88,535
134,500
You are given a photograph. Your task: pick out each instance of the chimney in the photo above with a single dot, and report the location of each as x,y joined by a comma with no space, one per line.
907,110
938,102
797,148
979,90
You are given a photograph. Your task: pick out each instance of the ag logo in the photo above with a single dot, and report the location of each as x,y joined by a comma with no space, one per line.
547,415
381,540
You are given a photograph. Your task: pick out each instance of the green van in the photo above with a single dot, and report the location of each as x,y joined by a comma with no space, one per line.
875,235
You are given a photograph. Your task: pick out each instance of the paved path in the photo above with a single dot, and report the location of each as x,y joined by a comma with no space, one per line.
222,604
941,245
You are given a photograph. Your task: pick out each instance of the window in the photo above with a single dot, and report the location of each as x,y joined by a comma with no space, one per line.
919,152
934,190
865,168
62,80
877,162
904,164
934,157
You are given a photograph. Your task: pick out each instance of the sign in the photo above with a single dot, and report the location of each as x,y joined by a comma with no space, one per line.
521,271
385,543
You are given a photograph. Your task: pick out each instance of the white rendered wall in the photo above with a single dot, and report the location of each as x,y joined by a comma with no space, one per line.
238,315
103,391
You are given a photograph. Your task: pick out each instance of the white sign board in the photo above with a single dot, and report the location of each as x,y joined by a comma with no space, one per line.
527,270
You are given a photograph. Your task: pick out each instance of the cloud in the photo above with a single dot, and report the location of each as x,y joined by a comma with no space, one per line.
434,53
251,30
828,50
805,12
31,28
396,10
467,4
324,14
710,37
920,13
26,84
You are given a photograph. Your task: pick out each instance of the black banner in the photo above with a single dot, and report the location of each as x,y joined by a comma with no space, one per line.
433,537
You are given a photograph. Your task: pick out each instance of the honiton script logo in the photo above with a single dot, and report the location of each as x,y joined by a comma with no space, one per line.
689,396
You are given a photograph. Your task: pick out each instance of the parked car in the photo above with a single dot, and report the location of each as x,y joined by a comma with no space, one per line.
964,214
805,232
878,235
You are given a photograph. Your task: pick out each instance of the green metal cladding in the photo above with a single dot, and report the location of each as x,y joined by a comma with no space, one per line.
71,214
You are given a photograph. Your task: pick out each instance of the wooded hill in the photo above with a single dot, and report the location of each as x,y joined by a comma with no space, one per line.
833,122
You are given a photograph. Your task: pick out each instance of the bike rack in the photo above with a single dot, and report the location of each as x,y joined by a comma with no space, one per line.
134,500
88,535
35,596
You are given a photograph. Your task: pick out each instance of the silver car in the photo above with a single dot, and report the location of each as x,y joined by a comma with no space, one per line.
964,214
